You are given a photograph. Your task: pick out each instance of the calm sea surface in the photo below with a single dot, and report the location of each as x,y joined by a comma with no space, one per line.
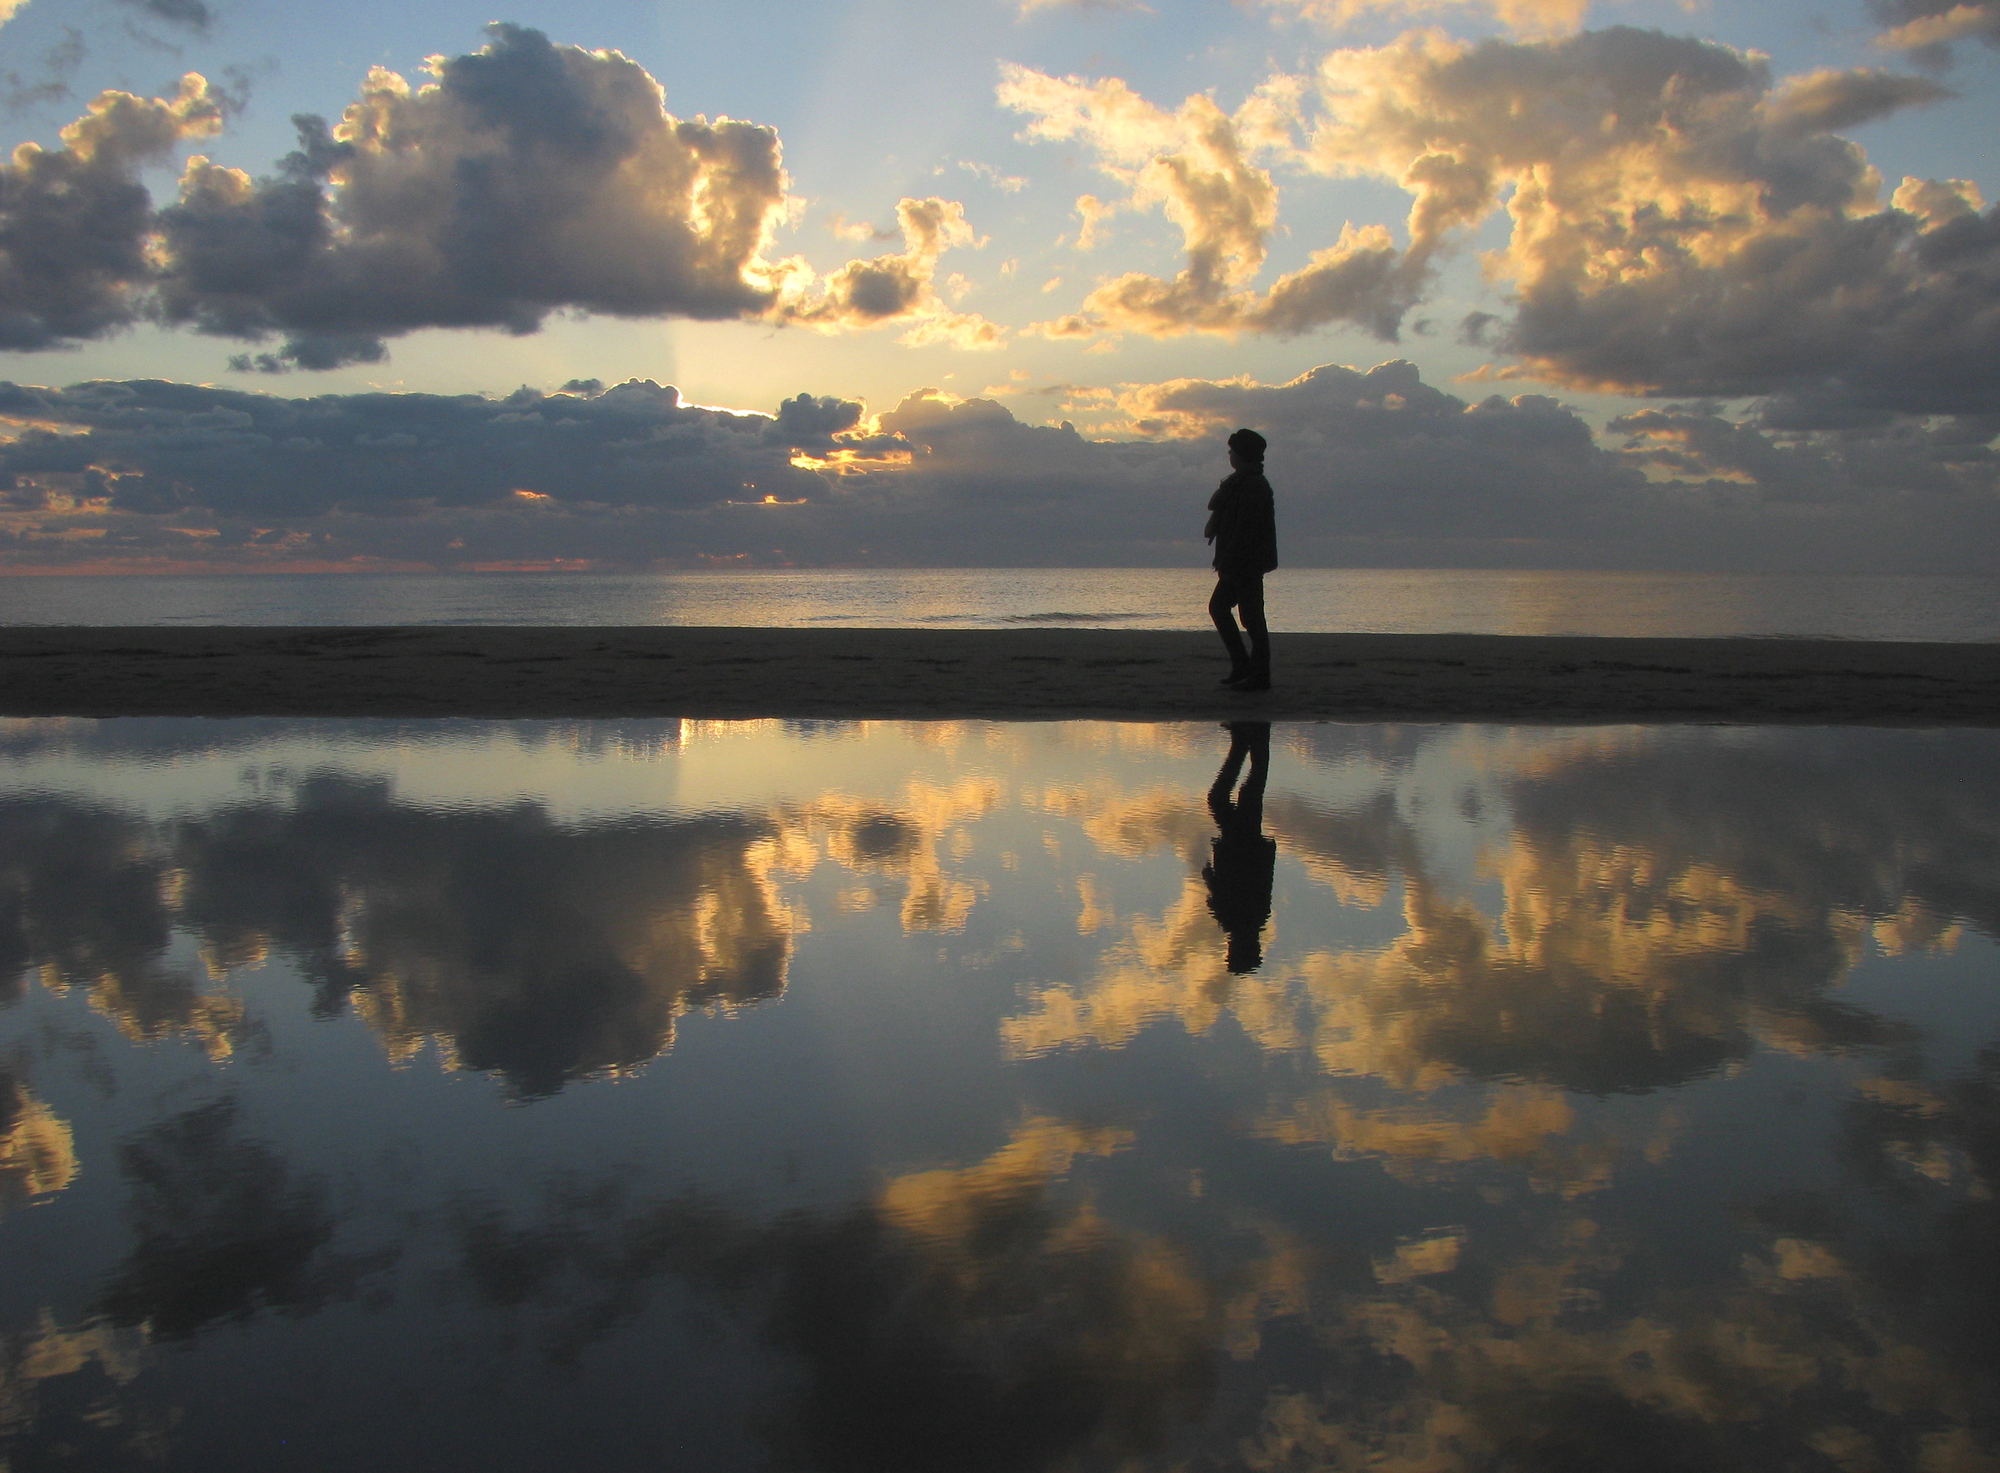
983,1097
1308,599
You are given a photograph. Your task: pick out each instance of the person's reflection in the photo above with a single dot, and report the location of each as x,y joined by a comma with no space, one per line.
1239,873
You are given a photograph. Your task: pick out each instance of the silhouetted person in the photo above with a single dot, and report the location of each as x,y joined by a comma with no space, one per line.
1243,526
1239,872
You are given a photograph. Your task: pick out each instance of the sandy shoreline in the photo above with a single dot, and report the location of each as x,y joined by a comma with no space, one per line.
1028,674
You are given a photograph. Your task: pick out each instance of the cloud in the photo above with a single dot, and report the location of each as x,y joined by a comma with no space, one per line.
1818,102
158,469
900,287
808,423
75,221
844,229
1379,468
1196,165
1680,224
966,1317
223,1229
1373,468
580,945
47,83
193,14
82,888
1005,183
37,1147
526,178
1929,27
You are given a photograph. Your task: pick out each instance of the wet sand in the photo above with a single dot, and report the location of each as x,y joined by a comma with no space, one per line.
1029,674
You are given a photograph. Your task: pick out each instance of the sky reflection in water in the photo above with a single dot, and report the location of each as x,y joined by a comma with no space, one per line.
874,1097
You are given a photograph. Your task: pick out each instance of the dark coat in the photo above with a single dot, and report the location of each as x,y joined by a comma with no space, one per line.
1243,525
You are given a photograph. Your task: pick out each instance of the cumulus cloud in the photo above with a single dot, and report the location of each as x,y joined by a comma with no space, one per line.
525,178
900,287
1681,224
1197,165
75,220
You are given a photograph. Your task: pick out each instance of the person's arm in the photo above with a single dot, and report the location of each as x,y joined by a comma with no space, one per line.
1220,507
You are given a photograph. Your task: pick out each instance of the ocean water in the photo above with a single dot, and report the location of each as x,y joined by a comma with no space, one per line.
1306,600
530,1095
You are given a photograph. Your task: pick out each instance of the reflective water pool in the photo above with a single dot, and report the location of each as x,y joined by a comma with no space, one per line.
964,1097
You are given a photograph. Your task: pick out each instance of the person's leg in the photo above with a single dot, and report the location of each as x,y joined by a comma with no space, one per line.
1255,738
1250,599
1222,792
1219,605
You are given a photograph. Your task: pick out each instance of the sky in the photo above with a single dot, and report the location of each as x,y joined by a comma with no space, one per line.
1506,283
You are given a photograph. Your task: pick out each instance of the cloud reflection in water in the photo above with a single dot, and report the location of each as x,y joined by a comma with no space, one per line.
1607,1098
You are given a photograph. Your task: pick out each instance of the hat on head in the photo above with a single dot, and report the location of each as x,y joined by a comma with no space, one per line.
1248,444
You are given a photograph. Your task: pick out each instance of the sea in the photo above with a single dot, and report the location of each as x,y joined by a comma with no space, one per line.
1322,600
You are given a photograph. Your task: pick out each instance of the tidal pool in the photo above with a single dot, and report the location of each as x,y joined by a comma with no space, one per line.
997,1097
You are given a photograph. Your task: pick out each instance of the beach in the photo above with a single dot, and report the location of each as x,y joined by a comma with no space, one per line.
1027,674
